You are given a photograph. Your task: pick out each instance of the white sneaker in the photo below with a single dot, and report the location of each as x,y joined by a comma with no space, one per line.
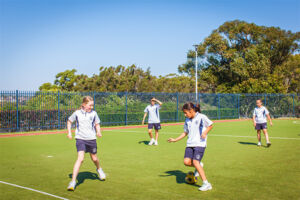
259,144
205,187
151,142
101,174
196,173
72,185
155,143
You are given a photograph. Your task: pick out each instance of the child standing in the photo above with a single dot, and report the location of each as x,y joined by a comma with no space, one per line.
87,127
196,127
153,119
260,116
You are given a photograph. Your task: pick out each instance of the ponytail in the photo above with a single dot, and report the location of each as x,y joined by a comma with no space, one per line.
191,106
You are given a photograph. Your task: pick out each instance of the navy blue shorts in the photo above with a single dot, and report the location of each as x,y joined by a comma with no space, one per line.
194,153
261,126
89,146
156,126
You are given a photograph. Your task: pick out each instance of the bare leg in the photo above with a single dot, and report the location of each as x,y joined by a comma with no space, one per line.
156,135
258,136
200,169
77,165
266,135
150,133
188,162
95,160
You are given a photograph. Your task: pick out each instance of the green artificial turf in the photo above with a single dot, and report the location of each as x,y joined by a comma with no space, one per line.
235,166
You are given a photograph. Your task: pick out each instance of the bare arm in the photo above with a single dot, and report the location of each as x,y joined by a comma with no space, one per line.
204,134
158,101
178,138
145,115
270,120
253,119
69,125
98,130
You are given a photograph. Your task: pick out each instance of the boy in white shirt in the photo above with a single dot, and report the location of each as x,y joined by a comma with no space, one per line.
153,119
260,116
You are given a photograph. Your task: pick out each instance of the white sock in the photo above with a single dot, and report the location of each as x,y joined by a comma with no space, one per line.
205,182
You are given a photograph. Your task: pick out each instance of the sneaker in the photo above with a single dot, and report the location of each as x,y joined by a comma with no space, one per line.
151,142
101,174
71,186
155,143
268,144
196,173
259,144
205,187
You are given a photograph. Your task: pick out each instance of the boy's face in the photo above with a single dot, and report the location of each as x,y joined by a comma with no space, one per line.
89,106
189,113
258,103
152,102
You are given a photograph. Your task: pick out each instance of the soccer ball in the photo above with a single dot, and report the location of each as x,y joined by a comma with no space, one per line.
190,178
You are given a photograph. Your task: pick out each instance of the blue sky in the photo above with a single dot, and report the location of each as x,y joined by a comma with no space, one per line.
40,38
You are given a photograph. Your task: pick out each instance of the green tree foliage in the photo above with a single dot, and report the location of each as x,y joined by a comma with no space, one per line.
238,57
247,58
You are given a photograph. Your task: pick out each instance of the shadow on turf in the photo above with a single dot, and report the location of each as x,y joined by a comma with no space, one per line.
180,176
82,176
144,142
252,143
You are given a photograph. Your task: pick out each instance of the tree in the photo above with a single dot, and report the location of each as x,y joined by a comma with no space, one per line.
243,57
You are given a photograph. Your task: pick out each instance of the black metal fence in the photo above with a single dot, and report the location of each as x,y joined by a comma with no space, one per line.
26,111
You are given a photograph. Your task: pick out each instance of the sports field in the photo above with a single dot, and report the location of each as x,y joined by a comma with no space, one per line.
235,166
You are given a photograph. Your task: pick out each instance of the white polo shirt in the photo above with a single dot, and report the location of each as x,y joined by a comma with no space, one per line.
85,124
260,114
194,128
153,112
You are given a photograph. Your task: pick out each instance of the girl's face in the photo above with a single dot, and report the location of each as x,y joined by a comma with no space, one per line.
258,103
189,113
152,102
88,106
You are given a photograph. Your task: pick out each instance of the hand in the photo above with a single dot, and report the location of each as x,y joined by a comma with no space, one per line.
271,123
203,135
69,136
254,124
99,134
143,122
171,140
153,99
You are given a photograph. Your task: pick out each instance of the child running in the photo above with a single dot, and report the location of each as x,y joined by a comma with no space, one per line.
153,119
196,127
87,127
260,116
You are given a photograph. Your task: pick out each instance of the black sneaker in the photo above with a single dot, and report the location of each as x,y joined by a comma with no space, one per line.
269,144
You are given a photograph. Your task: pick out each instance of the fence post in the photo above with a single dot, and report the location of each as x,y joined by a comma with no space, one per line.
265,99
238,105
126,106
177,107
17,106
294,106
94,100
219,111
58,110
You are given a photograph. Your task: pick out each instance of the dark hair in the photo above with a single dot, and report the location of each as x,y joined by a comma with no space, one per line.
151,98
191,106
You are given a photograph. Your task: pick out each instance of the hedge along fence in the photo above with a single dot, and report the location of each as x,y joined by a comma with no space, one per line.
24,111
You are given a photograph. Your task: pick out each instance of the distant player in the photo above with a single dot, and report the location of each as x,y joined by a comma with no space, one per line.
196,127
153,119
260,116
87,127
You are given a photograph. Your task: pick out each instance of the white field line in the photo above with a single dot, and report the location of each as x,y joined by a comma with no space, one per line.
27,188
217,135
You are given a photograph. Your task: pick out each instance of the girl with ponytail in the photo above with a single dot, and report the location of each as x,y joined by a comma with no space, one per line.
196,127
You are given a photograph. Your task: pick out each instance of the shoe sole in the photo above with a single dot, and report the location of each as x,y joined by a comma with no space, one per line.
206,189
70,189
